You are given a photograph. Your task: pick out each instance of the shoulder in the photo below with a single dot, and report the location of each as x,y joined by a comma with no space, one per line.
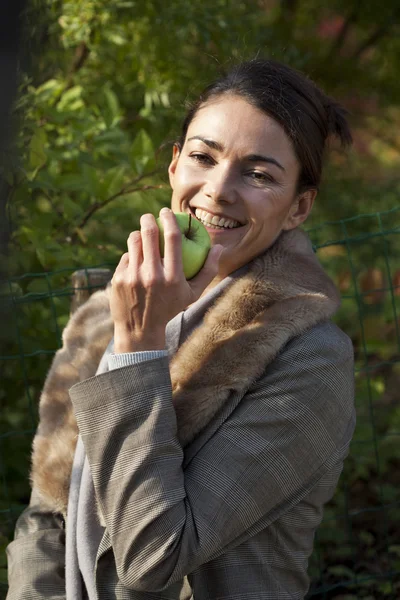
322,345
320,351
326,335
315,356
312,381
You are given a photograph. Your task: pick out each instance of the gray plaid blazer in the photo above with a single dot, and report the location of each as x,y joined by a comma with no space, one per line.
231,518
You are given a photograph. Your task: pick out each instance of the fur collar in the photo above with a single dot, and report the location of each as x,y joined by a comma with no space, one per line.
284,293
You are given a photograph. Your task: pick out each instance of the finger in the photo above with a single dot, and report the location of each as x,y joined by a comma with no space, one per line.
173,266
135,251
207,273
150,244
122,265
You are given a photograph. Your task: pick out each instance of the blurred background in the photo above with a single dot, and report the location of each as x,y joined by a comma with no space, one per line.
102,91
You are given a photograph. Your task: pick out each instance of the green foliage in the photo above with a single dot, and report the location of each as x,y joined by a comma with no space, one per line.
93,123
104,100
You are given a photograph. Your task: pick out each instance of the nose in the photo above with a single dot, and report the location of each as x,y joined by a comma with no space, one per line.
220,185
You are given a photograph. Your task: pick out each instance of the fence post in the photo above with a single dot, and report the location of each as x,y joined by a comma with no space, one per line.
87,281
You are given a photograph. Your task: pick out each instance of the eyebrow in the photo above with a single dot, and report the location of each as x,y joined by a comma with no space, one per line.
252,157
210,143
267,159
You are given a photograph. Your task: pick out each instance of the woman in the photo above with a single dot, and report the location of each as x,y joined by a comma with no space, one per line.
217,422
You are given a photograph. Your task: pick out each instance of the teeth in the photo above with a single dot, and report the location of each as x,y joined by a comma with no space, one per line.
216,221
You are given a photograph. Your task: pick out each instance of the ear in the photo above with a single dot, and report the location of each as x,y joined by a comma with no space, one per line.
173,164
300,209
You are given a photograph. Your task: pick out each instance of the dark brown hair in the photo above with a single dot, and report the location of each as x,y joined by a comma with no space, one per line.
308,116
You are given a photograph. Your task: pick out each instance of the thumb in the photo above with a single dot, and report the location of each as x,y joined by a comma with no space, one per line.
208,271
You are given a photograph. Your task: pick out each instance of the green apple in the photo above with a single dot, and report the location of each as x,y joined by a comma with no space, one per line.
196,243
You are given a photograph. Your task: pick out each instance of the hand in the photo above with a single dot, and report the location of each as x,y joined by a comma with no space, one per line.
148,291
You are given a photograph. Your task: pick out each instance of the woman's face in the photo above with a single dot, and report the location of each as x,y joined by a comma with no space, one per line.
238,163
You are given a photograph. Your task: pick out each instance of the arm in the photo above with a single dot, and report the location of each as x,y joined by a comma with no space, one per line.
285,434
36,557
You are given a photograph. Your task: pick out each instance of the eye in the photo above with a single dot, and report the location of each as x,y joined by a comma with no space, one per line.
260,177
203,159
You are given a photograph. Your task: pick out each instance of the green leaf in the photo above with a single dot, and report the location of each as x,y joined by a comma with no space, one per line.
81,235
142,151
71,100
114,180
71,182
71,209
43,204
27,233
113,106
116,38
164,97
14,289
91,179
341,571
38,286
37,154
50,91
42,256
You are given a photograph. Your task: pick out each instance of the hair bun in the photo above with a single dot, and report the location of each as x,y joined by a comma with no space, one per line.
336,121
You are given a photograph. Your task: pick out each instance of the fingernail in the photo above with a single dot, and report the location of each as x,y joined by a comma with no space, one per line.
165,210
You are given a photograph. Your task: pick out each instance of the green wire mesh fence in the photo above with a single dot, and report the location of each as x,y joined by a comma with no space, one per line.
357,549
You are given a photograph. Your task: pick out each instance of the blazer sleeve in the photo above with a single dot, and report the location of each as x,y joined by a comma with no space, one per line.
291,427
36,557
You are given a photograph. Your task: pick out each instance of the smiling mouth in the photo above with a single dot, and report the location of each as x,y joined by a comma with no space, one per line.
210,226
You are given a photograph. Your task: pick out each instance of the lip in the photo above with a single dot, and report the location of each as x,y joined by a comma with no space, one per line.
193,208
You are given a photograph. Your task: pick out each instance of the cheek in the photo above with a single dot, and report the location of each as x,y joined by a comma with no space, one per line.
278,202
187,178
267,209
261,204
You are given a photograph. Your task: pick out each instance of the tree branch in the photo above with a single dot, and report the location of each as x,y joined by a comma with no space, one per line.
55,208
80,57
127,189
81,54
